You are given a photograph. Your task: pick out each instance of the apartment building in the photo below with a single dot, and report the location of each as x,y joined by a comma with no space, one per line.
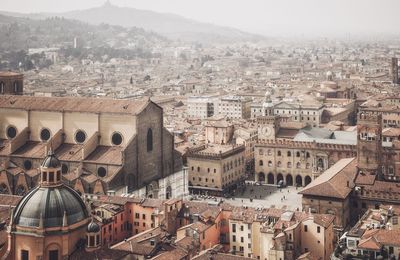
200,107
234,107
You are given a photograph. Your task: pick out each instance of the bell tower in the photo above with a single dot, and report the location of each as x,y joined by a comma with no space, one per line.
369,143
268,127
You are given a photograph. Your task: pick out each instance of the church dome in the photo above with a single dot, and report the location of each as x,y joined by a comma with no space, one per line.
50,207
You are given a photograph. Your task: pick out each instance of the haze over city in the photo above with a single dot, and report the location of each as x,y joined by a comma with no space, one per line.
267,17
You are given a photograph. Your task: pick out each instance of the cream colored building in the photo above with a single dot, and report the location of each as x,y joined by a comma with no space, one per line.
200,107
234,107
103,144
248,137
273,234
215,169
218,131
307,113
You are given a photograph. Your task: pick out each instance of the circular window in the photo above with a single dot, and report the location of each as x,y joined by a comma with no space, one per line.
45,134
27,165
80,136
101,171
116,138
11,132
64,168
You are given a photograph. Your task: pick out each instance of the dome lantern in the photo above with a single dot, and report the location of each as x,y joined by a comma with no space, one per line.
50,170
93,235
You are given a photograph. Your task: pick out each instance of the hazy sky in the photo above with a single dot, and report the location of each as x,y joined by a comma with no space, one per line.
261,16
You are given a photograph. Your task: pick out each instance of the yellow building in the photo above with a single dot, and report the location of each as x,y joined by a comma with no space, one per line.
215,169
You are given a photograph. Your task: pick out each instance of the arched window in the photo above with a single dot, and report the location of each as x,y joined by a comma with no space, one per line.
307,155
15,86
297,154
279,153
289,154
289,165
269,163
149,140
298,165
279,164
1,87
261,163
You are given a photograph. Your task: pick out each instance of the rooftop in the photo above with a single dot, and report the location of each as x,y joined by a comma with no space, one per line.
73,104
336,182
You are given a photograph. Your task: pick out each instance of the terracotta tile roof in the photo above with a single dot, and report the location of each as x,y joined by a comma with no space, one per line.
382,190
391,132
113,208
365,179
5,212
102,253
106,155
73,104
370,244
152,203
388,237
90,178
32,172
69,152
15,170
31,149
172,201
333,182
198,225
196,207
185,242
9,200
140,244
211,254
249,215
324,220
288,133
3,144
175,254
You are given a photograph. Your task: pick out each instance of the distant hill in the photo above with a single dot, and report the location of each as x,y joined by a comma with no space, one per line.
172,26
95,42
18,33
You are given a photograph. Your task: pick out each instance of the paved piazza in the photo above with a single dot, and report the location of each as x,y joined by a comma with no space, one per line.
266,196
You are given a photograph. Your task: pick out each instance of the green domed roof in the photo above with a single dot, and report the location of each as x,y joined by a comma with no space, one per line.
50,204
